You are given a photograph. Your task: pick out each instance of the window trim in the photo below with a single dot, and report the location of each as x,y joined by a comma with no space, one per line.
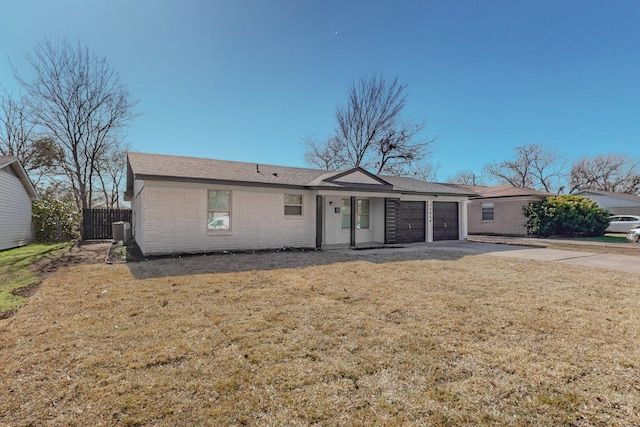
301,205
229,212
486,209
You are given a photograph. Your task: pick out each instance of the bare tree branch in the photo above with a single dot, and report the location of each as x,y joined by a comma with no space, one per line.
370,132
466,178
532,167
606,172
80,101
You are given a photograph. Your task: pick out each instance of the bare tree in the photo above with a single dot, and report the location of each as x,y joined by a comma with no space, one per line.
39,155
80,102
424,171
16,131
465,178
324,155
111,173
371,132
532,167
606,172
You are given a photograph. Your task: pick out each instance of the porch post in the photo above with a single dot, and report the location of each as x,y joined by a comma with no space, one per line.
352,240
319,222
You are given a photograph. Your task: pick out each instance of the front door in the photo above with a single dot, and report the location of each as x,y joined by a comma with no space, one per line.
411,222
445,221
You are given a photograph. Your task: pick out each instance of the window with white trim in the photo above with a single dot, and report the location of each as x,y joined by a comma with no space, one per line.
487,212
219,210
345,210
293,204
362,213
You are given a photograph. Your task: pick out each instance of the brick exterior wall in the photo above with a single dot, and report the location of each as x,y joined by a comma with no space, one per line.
174,219
508,219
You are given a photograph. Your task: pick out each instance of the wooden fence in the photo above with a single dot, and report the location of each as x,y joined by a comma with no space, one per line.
96,223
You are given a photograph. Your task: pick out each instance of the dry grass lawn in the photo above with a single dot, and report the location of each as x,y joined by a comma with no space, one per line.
421,338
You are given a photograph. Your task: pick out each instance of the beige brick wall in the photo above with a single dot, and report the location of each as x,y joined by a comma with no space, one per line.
508,219
174,219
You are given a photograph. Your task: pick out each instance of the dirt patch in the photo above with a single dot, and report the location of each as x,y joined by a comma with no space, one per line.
89,252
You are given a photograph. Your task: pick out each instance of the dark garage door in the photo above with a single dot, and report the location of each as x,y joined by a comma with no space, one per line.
411,222
445,221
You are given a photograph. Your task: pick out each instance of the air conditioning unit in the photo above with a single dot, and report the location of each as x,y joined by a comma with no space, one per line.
121,231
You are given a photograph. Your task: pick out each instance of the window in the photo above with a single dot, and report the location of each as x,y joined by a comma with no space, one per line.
292,204
346,213
362,217
362,213
487,212
219,210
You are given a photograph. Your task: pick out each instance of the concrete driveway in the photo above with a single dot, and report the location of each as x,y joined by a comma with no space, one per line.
627,263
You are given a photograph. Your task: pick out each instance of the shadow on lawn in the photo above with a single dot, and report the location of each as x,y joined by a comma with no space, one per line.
274,260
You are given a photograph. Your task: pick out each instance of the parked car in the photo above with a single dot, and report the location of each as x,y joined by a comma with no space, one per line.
634,235
622,223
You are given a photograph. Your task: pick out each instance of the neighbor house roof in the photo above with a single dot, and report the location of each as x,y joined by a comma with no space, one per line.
625,196
487,192
13,163
193,169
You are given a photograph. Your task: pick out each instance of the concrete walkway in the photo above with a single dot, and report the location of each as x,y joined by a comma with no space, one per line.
627,263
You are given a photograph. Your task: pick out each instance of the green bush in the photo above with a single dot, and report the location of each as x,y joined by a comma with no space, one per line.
56,220
566,215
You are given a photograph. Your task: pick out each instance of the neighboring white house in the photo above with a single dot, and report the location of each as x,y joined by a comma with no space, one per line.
16,193
615,203
498,210
193,205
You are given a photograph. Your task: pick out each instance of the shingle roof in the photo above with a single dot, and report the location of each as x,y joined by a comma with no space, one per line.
180,168
401,183
165,166
626,196
503,191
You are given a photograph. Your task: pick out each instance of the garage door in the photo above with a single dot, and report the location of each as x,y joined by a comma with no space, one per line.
445,221
411,222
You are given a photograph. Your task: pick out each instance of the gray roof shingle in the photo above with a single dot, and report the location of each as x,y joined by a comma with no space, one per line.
503,191
180,168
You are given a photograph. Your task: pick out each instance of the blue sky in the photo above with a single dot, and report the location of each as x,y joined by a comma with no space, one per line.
248,80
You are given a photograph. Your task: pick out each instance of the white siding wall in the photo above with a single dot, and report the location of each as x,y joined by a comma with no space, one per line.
606,201
15,211
174,219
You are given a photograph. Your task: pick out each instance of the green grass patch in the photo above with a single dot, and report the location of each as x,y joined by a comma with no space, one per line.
15,273
607,238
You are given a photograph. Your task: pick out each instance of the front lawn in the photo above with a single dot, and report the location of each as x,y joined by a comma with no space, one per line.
16,274
335,339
